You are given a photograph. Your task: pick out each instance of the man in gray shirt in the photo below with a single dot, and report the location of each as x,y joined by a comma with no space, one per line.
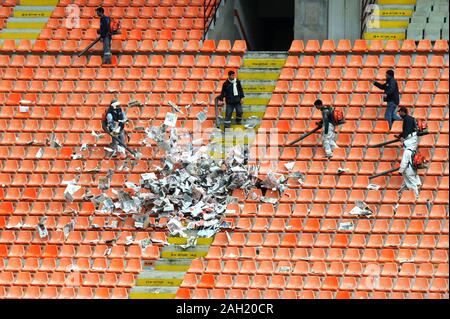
114,123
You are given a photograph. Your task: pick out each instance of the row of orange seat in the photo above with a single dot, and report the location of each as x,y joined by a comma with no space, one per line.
118,3
283,267
329,226
144,12
332,86
328,210
27,247
251,293
364,46
367,61
22,62
130,46
333,283
431,113
131,28
43,278
293,253
35,292
195,74
366,74
348,74
11,221
81,264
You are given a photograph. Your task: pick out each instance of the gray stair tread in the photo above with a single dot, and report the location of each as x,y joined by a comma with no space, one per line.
394,18
158,274
27,19
173,262
34,8
396,7
155,290
258,95
270,54
259,70
386,30
20,30
189,249
258,82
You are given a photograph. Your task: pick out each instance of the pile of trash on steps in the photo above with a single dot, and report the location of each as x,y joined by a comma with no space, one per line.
189,189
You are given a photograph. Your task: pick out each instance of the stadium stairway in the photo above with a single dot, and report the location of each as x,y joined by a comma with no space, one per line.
258,74
28,19
161,279
391,19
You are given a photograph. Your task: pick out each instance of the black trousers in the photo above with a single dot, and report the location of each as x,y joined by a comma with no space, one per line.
107,50
229,112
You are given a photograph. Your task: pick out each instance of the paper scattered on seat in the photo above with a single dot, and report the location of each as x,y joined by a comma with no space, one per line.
429,206
175,107
70,190
361,208
289,166
373,187
346,226
170,119
42,230
40,153
76,156
201,116
342,170
284,269
269,200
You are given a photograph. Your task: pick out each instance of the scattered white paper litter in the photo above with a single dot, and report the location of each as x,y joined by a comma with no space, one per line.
289,166
201,117
342,170
346,226
171,119
40,153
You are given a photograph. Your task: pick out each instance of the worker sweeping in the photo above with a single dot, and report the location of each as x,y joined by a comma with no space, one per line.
114,123
411,162
330,119
409,130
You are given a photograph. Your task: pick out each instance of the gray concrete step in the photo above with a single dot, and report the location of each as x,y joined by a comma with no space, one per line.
34,8
178,252
265,54
142,292
160,278
165,264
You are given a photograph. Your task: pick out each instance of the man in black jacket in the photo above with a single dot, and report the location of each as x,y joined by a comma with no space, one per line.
234,97
391,96
409,132
105,34
328,133
114,123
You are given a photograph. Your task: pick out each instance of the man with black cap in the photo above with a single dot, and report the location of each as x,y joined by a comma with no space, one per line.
105,34
391,96
114,123
234,96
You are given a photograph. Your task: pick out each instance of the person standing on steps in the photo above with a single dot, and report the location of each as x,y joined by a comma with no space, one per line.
328,124
105,34
409,130
391,97
114,123
234,97
411,179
